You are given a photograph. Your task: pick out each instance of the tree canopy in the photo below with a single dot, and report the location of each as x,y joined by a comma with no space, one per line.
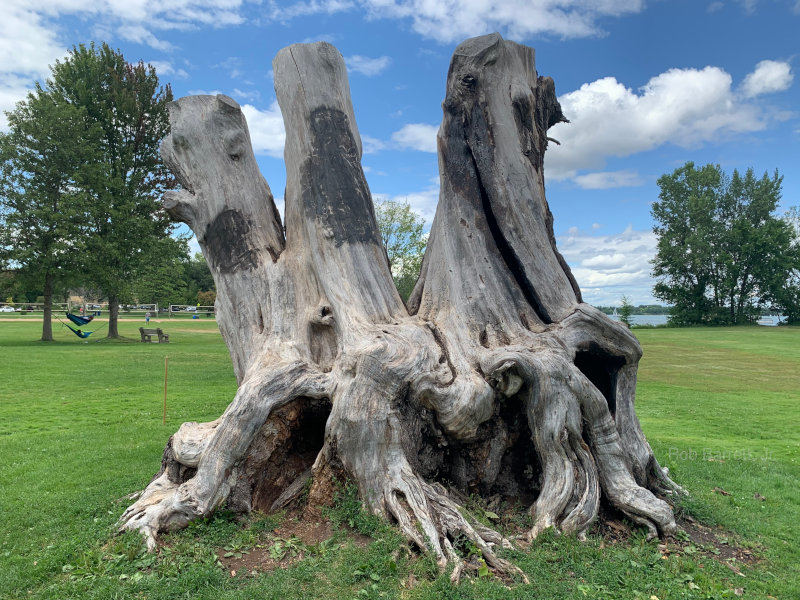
403,237
81,161
722,253
45,161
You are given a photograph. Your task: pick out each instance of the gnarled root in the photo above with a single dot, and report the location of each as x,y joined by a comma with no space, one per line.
425,508
428,517
367,433
578,444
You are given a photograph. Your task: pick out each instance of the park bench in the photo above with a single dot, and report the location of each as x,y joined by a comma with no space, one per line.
147,335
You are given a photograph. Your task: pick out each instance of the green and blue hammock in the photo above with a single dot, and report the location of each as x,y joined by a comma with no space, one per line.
80,321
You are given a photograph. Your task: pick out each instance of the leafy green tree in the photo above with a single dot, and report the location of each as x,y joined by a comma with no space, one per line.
721,254
684,226
206,298
626,312
123,218
163,279
45,159
404,241
198,279
786,298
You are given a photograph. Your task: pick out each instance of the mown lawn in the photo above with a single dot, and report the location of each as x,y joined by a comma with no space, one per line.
80,428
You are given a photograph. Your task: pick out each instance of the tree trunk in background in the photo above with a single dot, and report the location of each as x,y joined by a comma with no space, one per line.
47,318
497,380
113,317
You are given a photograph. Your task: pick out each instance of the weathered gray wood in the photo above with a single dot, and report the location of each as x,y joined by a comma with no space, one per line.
499,381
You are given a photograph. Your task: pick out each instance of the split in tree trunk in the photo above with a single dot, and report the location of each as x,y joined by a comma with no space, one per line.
496,379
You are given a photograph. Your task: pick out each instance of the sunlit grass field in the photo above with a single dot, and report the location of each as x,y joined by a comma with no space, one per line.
81,427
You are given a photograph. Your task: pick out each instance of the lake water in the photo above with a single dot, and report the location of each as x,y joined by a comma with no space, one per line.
769,321
645,319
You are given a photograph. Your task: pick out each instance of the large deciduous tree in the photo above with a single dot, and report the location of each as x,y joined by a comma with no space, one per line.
163,279
786,298
403,237
496,380
123,220
45,159
722,253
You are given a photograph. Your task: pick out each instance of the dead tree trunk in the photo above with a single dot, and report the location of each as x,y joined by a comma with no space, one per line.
496,380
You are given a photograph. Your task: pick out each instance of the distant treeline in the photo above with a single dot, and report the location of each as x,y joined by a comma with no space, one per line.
642,309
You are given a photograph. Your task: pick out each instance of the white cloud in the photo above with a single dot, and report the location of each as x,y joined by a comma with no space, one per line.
423,202
749,6
304,9
27,46
164,68
323,37
367,66
371,145
280,204
141,35
31,36
609,179
232,65
453,20
684,107
266,129
205,92
769,76
252,95
608,266
417,136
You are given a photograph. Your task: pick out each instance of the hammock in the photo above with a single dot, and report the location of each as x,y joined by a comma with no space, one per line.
78,332
79,320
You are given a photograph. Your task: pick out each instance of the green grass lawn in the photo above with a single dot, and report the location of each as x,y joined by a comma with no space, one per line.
80,427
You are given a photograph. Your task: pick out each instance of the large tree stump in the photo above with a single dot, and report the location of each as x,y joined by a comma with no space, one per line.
497,379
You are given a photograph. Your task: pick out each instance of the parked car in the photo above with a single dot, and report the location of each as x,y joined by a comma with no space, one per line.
7,309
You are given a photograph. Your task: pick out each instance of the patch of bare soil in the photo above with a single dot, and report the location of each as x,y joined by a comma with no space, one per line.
693,539
712,542
298,536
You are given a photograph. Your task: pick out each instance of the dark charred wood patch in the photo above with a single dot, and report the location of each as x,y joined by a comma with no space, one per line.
227,241
337,196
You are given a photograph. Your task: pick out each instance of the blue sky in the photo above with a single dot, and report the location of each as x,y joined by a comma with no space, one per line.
647,85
